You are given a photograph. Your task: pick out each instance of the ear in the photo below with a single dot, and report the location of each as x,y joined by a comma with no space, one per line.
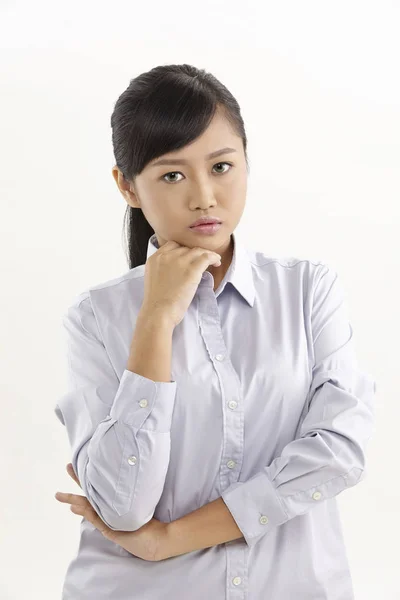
126,188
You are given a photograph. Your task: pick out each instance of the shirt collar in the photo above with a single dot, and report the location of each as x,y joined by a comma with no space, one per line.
239,273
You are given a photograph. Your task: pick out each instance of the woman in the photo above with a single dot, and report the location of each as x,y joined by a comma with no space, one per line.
215,408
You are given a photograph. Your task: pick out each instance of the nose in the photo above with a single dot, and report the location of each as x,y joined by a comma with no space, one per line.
203,196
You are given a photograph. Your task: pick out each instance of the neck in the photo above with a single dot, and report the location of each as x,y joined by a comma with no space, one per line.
226,258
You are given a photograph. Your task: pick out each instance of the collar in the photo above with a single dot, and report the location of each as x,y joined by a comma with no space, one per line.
239,273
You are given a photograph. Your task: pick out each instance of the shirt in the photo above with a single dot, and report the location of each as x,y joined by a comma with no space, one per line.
266,408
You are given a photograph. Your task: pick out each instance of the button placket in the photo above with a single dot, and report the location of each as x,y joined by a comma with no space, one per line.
232,407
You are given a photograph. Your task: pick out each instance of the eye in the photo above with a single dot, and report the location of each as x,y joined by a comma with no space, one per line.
176,172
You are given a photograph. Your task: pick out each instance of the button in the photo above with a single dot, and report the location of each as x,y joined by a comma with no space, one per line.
232,404
316,495
143,403
237,580
220,356
263,520
231,464
132,460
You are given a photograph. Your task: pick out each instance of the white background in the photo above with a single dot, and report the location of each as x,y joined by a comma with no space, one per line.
318,85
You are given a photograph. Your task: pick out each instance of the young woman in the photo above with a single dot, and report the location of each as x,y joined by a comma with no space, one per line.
215,408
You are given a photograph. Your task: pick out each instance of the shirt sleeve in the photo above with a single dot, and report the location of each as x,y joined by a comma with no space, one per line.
328,453
118,430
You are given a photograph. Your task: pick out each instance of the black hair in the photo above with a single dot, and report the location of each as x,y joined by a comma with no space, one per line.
163,110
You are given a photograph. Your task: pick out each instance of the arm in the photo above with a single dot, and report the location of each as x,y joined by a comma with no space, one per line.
120,448
326,457
207,526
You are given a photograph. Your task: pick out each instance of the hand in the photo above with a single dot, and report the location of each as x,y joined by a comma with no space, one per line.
148,542
171,278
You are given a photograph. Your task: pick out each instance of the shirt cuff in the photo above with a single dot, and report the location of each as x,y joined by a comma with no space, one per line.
255,506
139,400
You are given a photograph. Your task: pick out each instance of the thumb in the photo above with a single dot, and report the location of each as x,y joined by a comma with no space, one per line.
71,473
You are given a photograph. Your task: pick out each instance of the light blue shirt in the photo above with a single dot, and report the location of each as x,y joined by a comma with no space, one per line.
266,407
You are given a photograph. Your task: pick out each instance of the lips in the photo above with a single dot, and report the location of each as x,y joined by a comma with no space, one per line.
206,221
208,229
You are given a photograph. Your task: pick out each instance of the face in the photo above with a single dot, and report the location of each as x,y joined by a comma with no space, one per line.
173,196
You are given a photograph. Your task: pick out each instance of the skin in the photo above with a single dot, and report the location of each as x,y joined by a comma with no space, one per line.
173,196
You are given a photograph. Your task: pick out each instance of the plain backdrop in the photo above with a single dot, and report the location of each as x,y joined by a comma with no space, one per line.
319,88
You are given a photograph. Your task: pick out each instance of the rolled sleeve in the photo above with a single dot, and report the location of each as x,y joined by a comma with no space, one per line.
328,454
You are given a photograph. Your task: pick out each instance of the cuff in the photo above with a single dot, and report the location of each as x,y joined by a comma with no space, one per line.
140,399
255,506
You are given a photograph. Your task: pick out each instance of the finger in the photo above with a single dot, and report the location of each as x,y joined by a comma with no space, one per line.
71,473
81,506
70,498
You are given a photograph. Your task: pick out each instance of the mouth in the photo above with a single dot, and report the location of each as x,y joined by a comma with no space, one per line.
207,228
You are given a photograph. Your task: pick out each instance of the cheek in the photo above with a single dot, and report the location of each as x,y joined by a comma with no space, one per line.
237,196
238,188
159,211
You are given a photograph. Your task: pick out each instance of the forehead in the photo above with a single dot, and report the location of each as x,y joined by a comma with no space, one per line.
216,140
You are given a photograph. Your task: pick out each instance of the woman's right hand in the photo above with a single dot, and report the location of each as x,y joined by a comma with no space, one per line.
172,275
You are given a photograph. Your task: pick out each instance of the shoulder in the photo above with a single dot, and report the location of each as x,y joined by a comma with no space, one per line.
297,266
82,307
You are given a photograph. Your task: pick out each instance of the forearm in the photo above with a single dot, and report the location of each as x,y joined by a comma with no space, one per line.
151,347
207,526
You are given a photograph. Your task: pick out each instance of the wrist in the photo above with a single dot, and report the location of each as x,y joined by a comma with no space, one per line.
152,318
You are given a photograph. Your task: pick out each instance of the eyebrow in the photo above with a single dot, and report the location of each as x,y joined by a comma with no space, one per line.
183,161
